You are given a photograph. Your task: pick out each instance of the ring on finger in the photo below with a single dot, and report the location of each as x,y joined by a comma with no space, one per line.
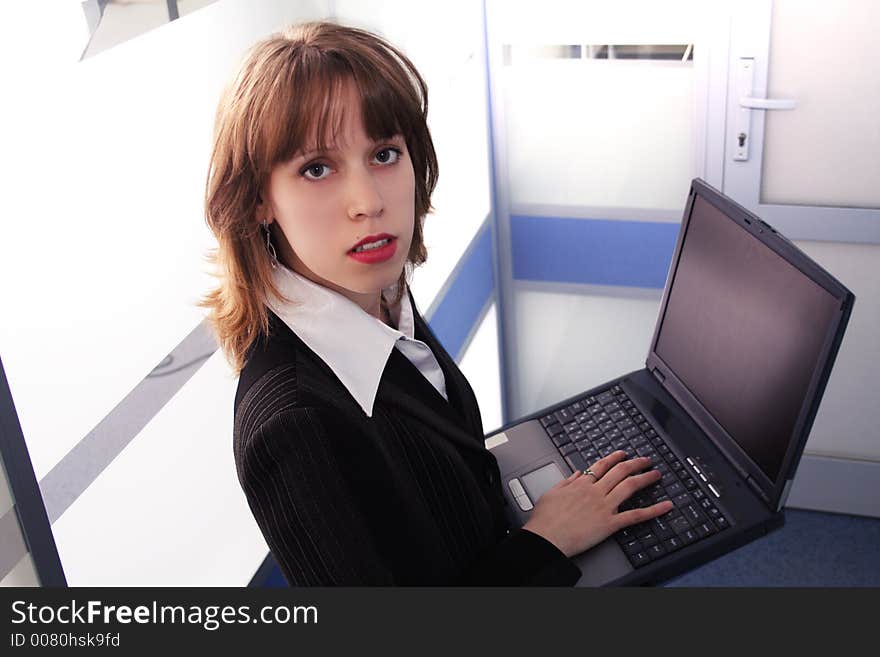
592,474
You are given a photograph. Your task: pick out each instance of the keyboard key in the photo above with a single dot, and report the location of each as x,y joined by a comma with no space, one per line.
655,492
576,461
673,543
605,397
594,409
590,455
680,524
674,490
689,483
599,443
605,451
682,501
547,420
642,529
639,559
705,529
564,416
560,439
721,522
693,514
577,407
611,407
650,433
644,426
663,529
657,551
688,537
613,434
568,449
698,494
632,546
554,429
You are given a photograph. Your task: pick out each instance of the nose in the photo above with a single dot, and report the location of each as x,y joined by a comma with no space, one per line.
365,198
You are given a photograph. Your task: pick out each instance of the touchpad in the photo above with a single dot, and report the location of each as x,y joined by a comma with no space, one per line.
539,481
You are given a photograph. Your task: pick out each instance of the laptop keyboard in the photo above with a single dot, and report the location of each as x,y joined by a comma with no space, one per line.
596,426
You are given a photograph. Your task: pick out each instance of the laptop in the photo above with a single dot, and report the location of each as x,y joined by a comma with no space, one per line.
747,334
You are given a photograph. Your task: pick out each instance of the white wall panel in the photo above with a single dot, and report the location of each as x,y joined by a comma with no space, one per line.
569,342
169,510
481,367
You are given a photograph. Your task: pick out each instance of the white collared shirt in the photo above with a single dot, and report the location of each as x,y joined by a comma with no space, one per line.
353,343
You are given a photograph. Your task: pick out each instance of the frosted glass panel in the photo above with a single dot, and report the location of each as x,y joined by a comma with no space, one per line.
608,133
827,150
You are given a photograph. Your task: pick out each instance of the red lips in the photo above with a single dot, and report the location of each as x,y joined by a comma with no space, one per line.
372,238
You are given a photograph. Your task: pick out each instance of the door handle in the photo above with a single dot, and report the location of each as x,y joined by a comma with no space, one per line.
745,76
767,103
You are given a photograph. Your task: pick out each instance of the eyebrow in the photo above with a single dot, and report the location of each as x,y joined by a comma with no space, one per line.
312,151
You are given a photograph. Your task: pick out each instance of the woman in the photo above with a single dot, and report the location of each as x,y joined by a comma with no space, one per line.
357,440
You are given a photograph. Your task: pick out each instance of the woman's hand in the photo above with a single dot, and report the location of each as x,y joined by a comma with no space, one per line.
581,511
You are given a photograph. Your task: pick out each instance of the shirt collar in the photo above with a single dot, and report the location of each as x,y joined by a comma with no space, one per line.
353,343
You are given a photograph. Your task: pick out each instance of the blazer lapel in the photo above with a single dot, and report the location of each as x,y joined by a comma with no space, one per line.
457,388
404,386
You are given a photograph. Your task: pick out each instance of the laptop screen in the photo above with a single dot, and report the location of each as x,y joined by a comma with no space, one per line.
743,331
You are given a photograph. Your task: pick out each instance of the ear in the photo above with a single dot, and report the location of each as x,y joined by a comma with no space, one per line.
263,213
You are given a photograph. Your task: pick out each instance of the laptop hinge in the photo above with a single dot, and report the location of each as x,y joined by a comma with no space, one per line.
658,375
757,489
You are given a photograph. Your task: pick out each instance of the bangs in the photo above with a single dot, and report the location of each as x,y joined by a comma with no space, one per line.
307,107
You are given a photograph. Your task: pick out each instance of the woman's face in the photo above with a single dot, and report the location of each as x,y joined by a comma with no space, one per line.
325,203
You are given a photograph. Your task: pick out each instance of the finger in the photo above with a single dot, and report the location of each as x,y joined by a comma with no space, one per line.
603,465
635,516
628,487
622,470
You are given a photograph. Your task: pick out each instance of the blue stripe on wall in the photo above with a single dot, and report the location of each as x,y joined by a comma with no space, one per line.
467,295
592,251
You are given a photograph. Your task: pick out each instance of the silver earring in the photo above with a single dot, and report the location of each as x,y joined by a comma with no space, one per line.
273,258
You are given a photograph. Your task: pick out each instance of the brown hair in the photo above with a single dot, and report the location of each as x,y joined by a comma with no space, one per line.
285,91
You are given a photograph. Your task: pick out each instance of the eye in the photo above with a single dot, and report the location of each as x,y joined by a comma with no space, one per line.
315,171
388,155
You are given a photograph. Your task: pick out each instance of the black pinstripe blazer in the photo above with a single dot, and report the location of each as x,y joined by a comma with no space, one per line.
410,496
